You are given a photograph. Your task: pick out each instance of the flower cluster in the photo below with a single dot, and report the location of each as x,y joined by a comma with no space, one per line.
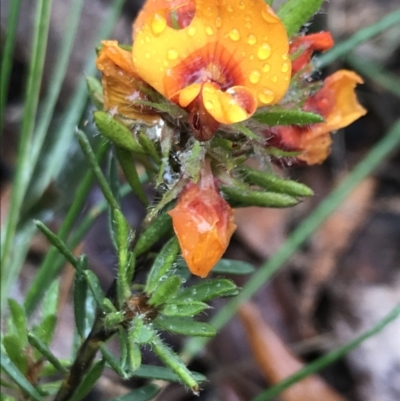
227,66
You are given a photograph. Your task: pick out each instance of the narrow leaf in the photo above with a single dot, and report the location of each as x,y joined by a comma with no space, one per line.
112,361
145,393
240,197
15,375
46,329
80,295
17,355
166,290
230,266
185,326
95,287
184,309
95,90
19,321
116,132
127,163
148,145
295,13
161,373
206,290
134,355
280,116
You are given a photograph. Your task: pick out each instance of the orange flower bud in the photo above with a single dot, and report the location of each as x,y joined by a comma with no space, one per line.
220,62
336,101
203,222
121,84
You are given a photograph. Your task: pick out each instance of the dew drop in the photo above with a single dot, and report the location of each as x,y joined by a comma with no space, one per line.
284,57
191,31
243,53
147,39
248,25
266,67
251,39
264,51
165,63
218,22
147,55
172,54
275,79
242,6
269,16
158,24
229,8
285,67
208,105
251,57
254,76
266,97
234,34
209,30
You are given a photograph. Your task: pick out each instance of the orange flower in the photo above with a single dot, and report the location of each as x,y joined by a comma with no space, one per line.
121,84
219,60
336,101
303,48
203,222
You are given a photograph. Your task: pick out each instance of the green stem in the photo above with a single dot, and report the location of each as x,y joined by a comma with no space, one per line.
345,47
380,152
327,359
7,56
42,21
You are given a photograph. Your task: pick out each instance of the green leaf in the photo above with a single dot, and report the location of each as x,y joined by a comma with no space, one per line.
184,309
134,354
88,381
170,359
116,132
46,329
273,183
19,321
112,361
15,375
145,393
295,13
80,295
166,290
241,197
161,226
206,290
95,287
247,132
113,180
15,352
280,116
185,326
95,90
126,160
148,145
229,266
162,264
161,373
36,342
140,332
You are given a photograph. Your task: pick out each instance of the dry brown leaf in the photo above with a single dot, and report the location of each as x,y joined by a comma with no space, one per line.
330,240
277,362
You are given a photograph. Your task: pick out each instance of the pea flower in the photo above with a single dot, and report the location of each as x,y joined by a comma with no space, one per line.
218,60
203,222
336,101
122,87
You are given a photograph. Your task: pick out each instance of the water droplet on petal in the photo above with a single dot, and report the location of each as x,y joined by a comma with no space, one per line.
266,67
242,6
191,31
251,39
248,25
284,57
285,67
269,16
172,54
218,22
147,55
266,97
158,24
254,76
264,51
234,34
229,8
275,78
209,30
147,39
208,105
243,53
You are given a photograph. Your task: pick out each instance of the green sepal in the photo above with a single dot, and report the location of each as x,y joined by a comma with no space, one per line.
241,197
18,322
295,13
37,343
89,381
113,319
184,309
162,264
95,90
148,145
273,183
125,158
279,116
185,326
166,290
15,352
206,290
116,132
161,226
170,359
